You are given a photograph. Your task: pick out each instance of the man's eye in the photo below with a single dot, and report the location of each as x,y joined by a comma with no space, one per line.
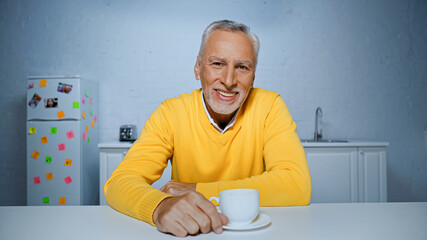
217,63
242,67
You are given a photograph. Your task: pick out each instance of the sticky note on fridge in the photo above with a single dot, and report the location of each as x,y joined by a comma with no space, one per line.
48,159
45,200
70,134
76,105
61,114
62,201
35,154
84,137
61,147
92,123
68,180
36,180
83,115
53,130
43,83
83,100
68,162
32,130
49,176
87,128
43,140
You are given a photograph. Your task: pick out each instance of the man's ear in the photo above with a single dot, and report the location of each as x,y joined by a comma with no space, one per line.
197,69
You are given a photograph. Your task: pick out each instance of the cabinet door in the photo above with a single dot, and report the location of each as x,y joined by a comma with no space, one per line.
109,160
333,174
372,175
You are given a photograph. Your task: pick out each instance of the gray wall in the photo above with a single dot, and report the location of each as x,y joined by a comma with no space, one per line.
363,62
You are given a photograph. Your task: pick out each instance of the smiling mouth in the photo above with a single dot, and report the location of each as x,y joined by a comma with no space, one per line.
226,94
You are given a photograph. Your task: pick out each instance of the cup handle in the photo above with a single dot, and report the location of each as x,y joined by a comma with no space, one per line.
214,198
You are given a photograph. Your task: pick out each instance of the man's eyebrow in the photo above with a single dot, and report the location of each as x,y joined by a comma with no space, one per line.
214,59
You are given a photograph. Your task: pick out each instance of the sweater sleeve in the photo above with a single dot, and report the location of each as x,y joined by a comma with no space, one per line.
286,180
129,189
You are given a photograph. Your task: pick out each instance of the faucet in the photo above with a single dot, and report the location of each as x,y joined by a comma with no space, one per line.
317,132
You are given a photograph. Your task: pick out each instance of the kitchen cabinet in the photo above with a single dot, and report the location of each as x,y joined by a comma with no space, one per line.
347,172
340,172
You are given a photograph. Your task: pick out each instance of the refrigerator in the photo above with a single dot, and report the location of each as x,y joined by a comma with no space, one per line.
62,138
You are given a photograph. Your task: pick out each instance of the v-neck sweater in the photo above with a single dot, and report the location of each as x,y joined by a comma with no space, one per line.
261,151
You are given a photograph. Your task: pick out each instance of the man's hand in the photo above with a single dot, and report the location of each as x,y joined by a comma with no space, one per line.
178,188
188,214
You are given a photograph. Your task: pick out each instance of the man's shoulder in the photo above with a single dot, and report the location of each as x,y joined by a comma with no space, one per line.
183,99
262,95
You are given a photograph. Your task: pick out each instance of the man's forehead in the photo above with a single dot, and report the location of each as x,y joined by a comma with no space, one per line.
226,44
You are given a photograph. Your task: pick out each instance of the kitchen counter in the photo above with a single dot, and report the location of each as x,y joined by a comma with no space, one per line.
304,144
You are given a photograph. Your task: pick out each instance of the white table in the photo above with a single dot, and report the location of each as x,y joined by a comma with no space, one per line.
316,221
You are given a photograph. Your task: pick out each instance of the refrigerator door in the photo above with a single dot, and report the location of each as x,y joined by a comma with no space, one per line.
53,163
53,98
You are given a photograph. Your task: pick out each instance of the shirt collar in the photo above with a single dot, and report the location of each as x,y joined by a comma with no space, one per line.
229,125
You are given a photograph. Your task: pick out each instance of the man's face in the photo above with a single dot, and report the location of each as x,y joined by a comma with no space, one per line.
227,71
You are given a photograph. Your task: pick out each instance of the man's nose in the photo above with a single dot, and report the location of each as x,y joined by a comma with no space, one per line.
229,78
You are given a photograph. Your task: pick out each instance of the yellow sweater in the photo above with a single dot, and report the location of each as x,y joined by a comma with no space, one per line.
261,150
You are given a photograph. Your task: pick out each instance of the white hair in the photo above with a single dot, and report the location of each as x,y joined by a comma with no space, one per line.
229,26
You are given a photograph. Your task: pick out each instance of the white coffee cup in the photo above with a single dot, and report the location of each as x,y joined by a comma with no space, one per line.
241,206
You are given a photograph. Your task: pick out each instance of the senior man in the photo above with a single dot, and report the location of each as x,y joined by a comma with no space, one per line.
225,135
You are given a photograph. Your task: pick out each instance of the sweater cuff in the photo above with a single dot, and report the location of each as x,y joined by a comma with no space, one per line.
208,190
147,207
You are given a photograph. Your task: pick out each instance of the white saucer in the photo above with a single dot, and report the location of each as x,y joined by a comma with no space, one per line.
259,222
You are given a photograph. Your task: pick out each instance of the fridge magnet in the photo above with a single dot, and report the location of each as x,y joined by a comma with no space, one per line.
32,130
36,180
61,147
76,105
68,162
90,100
87,128
34,101
49,176
62,201
45,200
95,118
92,123
86,94
83,100
65,88
43,140
43,83
83,115
31,85
48,159
35,154
51,103
84,137
61,114
88,139
53,130
68,180
70,134
91,112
